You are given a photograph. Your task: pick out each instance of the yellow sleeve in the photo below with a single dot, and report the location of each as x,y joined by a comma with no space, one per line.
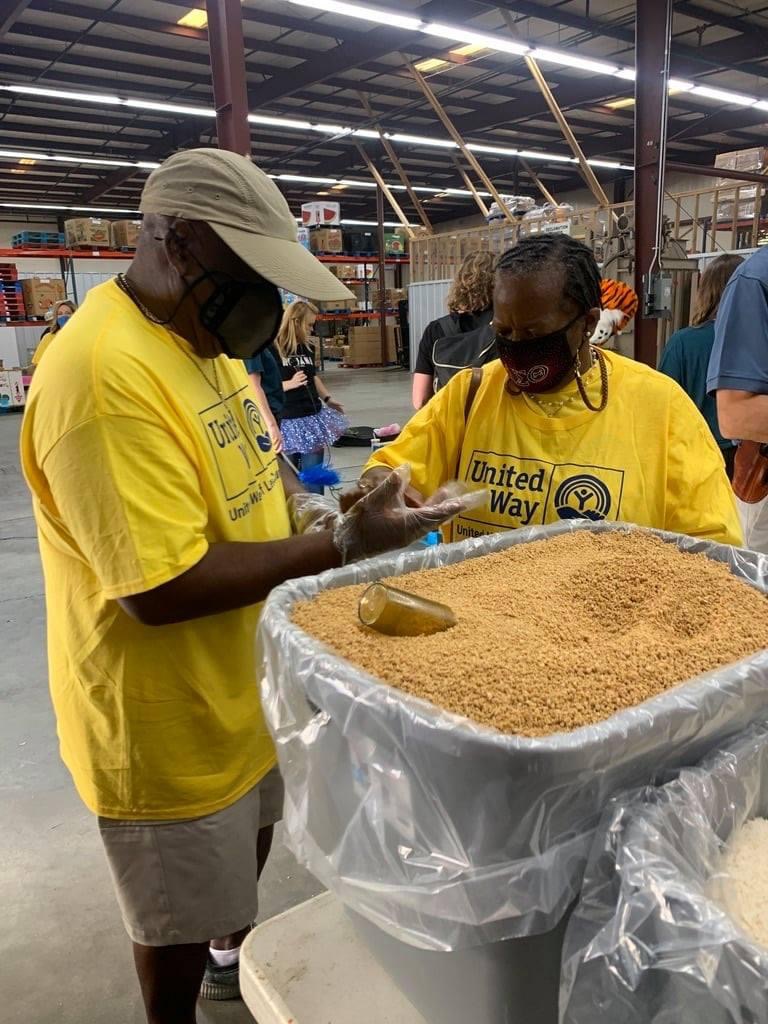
42,345
699,498
124,489
431,440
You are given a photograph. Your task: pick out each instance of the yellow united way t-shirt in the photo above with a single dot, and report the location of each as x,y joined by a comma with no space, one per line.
137,465
648,458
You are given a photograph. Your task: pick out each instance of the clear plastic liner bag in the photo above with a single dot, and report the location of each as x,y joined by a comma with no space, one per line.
445,833
648,941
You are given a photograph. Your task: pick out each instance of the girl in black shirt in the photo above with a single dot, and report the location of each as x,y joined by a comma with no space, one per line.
311,420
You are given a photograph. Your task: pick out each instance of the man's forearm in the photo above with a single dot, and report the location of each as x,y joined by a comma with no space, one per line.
743,416
232,575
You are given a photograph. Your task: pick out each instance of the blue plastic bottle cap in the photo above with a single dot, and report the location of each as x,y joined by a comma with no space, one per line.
432,538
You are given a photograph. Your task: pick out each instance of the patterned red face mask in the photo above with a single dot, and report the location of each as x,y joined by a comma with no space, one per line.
538,364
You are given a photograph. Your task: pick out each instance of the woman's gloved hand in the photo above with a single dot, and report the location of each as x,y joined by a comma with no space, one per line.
381,520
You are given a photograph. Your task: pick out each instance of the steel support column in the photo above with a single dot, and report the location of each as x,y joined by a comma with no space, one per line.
230,91
651,45
382,305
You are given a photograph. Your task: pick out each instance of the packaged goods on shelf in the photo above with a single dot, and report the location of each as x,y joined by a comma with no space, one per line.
360,243
336,305
326,240
11,389
125,233
395,244
320,213
754,159
556,219
87,231
517,206
40,293
532,221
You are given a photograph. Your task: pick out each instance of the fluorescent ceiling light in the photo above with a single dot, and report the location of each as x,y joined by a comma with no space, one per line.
422,140
373,223
13,154
365,133
308,179
388,18
679,85
454,33
614,164
280,122
75,158
170,108
761,105
77,209
194,18
628,74
725,95
558,158
64,94
571,61
478,147
27,160
359,184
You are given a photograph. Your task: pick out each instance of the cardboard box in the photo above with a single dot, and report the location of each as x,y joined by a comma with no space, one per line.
40,293
11,389
365,345
125,233
394,244
313,214
326,240
87,231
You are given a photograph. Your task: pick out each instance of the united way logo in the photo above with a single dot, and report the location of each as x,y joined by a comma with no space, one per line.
253,416
582,497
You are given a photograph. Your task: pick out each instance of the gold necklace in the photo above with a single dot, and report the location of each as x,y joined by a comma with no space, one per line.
603,382
125,286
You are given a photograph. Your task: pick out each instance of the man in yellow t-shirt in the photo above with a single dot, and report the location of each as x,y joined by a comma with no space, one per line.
162,521
558,431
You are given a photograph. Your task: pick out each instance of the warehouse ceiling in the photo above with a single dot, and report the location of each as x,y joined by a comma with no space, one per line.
306,64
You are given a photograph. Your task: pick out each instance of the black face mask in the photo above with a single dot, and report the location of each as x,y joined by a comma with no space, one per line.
539,364
243,316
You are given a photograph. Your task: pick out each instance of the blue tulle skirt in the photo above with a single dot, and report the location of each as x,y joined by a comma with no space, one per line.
311,433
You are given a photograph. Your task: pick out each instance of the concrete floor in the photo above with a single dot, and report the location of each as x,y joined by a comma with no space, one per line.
64,956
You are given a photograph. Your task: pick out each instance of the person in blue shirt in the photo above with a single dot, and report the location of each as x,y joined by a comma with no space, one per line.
686,356
738,369
267,381
738,374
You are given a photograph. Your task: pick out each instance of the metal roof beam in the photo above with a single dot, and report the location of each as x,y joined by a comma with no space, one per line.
12,12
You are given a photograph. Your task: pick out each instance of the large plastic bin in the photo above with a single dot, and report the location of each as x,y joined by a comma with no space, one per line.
449,836
647,943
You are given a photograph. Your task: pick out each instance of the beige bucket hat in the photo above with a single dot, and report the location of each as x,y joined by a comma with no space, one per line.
247,211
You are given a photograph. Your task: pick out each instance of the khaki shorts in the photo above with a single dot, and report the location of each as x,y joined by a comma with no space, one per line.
194,880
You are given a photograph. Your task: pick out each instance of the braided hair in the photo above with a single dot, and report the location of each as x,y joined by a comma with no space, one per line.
582,277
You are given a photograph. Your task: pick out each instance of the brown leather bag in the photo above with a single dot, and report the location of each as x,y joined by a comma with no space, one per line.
750,472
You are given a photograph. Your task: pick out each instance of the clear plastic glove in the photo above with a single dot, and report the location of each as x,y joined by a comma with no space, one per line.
381,521
313,513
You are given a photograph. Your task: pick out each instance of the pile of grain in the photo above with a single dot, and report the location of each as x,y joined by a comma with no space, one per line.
744,888
556,634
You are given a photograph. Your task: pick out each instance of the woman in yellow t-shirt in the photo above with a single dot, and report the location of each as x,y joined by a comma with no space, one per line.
60,313
559,430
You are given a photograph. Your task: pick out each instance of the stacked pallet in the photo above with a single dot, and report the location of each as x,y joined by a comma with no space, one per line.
11,296
38,240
